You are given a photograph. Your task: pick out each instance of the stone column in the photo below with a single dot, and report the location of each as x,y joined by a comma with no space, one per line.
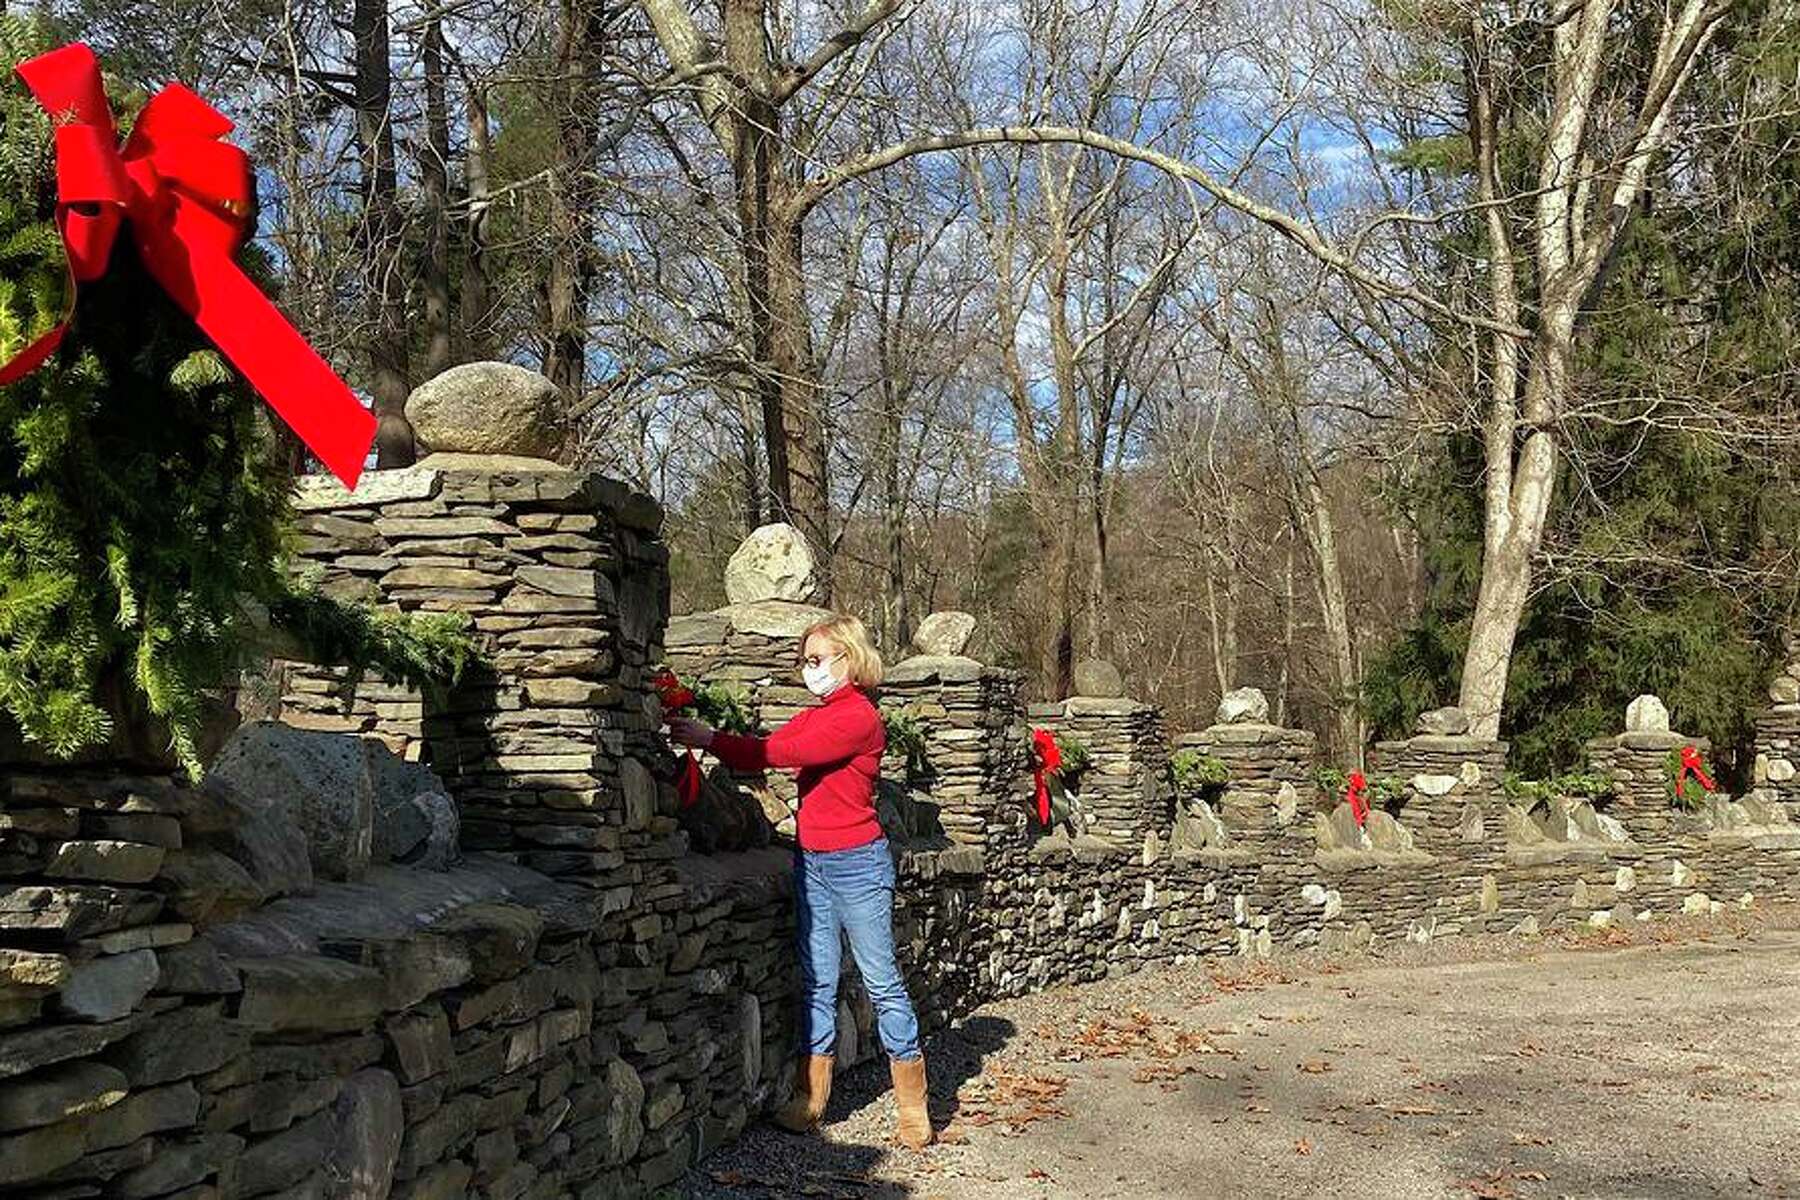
1638,761
977,770
565,580
1778,736
1453,781
1270,767
1124,793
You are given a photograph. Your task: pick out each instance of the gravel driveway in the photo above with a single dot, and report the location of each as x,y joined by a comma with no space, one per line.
1663,1062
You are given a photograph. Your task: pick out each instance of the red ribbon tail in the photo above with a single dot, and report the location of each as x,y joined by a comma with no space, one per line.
1043,800
250,331
687,783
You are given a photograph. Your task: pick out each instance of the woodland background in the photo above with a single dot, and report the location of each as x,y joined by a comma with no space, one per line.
1379,354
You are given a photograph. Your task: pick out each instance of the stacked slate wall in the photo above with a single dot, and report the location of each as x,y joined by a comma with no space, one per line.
582,1007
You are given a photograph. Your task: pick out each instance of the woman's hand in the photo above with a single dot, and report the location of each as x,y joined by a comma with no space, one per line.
685,731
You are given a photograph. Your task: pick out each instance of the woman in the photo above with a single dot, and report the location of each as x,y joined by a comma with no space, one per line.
843,873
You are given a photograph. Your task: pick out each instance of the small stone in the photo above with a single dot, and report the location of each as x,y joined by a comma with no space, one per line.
1578,896
368,1123
1601,919
1435,785
1526,928
1696,903
105,989
488,408
1490,895
71,1090
1679,874
1243,706
1747,901
1312,893
773,563
106,862
1781,770
1334,904
1646,714
1624,880
37,1152
944,633
1443,722
1473,825
31,971
307,994
1785,690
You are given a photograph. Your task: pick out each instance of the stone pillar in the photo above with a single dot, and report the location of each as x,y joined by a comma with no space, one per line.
977,767
1638,761
1453,781
1270,767
565,580
1124,793
1778,736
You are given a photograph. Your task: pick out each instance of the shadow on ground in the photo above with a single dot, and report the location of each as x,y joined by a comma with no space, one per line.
856,1134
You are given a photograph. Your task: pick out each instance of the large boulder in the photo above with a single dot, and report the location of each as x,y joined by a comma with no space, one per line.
1243,706
489,408
319,780
1646,714
1444,722
944,633
1098,678
348,801
773,563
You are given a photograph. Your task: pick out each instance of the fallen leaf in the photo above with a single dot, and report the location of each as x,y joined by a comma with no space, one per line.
1317,1066
1302,1147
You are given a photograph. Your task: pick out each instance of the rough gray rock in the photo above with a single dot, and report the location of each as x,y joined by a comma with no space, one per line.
489,408
773,563
106,989
944,633
1099,678
368,1125
1243,706
1646,714
321,780
71,1090
1444,722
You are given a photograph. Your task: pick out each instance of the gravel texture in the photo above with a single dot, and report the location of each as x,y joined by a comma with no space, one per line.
1662,1061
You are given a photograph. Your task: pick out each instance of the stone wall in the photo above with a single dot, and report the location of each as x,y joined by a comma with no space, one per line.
582,1006
1124,792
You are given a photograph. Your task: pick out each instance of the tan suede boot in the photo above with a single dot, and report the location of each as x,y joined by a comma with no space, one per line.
812,1087
913,1130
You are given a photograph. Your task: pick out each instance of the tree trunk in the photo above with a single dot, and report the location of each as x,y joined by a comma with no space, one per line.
434,185
1321,541
477,302
382,241
569,279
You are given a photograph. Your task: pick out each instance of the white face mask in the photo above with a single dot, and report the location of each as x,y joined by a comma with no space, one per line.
819,680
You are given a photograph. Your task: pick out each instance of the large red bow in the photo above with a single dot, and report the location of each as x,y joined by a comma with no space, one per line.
1046,758
1358,795
1691,765
187,195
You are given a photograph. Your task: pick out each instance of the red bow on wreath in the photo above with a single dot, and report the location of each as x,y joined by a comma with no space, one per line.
186,193
1045,759
674,697
1357,793
1691,765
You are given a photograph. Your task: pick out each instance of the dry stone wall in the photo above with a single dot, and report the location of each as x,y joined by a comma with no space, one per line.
197,1002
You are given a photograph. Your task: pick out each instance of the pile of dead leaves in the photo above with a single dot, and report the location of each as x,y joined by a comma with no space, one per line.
1007,1098
1135,1034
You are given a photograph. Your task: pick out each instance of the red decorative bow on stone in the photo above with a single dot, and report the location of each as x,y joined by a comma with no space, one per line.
1046,758
1357,793
1691,765
186,193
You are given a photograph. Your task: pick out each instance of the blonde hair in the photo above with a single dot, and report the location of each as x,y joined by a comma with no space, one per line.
852,640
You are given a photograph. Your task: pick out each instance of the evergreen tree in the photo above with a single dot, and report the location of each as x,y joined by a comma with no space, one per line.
141,506
1671,546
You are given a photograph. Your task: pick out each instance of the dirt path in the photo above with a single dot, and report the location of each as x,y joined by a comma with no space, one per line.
1665,1068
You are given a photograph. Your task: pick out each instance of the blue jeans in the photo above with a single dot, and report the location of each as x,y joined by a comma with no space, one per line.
851,890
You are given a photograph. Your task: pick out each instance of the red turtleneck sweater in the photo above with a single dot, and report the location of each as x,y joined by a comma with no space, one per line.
836,748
